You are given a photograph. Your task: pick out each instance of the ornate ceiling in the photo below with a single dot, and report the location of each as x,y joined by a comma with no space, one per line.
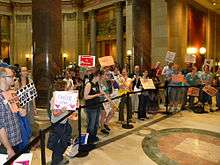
211,4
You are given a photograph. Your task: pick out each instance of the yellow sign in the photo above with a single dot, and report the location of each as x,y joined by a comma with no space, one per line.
147,83
106,61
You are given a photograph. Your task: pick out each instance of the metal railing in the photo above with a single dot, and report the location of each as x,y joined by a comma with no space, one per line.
41,137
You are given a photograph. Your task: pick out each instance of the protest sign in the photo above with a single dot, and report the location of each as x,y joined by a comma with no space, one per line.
106,61
12,99
193,91
147,84
208,62
178,78
26,94
65,99
190,58
86,61
170,56
211,91
24,159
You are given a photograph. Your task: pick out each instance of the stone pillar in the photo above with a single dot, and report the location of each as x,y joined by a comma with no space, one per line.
93,32
12,36
159,31
80,18
119,32
46,16
177,28
142,33
129,31
0,37
84,34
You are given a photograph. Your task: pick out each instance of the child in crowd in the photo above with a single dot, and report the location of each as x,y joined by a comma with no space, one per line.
60,135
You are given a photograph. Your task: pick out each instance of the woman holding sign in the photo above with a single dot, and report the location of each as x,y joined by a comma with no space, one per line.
26,122
192,79
206,79
92,95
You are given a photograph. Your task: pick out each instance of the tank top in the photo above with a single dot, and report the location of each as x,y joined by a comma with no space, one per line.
93,103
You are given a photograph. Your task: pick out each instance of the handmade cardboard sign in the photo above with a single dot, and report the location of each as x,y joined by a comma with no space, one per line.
26,94
147,84
106,61
178,78
190,58
66,99
12,100
170,56
208,62
193,91
24,159
211,91
86,61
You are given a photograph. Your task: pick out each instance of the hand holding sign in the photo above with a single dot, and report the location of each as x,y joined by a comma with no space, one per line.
27,94
147,83
170,56
67,100
211,91
12,100
106,61
86,61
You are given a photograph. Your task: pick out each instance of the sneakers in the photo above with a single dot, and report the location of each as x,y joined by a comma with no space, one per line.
107,127
105,131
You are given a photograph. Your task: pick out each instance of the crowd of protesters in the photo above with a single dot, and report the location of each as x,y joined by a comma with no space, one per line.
95,85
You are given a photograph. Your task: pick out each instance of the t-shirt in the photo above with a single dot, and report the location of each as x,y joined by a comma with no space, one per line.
192,80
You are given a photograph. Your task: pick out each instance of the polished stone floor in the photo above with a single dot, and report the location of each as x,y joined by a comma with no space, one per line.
185,138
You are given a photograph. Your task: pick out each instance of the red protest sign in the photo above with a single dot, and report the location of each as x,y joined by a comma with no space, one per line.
12,99
86,61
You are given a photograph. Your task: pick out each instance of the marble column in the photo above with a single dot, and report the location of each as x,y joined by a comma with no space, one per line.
119,32
129,31
13,56
177,28
47,60
93,32
0,36
85,34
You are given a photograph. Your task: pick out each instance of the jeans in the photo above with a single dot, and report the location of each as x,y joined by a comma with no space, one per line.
135,102
191,101
122,105
93,122
58,141
142,110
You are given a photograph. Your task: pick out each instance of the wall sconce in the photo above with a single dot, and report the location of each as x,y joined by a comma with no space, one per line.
129,53
202,50
27,56
64,60
191,50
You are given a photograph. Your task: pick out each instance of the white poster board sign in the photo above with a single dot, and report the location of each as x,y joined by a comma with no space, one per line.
24,159
208,62
26,94
66,99
147,84
170,56
190,58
